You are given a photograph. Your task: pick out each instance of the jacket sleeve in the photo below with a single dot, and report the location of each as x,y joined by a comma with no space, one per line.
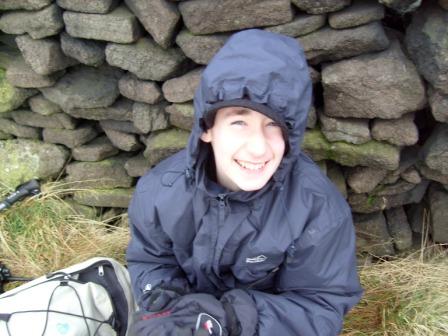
149,254
315,288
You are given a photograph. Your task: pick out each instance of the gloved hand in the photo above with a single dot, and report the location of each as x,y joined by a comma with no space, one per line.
158,299
188,315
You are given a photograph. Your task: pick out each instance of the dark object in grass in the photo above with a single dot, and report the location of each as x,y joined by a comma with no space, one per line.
30,188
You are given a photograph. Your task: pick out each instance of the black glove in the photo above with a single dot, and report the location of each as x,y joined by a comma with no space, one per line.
158,299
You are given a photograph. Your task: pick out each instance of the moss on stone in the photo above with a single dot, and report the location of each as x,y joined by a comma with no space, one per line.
173,138
115,198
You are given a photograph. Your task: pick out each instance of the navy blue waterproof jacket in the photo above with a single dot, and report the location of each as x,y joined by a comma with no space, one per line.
290,245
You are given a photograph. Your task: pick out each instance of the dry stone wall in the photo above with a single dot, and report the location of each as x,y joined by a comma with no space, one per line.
98,91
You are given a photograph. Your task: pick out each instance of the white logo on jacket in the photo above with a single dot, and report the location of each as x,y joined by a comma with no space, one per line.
257,259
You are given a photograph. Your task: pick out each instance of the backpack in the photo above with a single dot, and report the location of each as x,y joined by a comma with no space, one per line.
92,298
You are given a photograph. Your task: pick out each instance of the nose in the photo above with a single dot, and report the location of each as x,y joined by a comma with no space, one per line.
257,143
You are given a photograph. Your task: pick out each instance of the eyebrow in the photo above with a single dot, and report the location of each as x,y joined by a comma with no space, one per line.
240,111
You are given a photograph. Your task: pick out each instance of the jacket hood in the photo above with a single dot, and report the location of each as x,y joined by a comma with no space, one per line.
265,68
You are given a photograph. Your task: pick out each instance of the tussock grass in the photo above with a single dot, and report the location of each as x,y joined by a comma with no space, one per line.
44,233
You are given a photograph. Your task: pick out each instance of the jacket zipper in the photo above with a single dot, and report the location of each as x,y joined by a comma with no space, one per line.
221,205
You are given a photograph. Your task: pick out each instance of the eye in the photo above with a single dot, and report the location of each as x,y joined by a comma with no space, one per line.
273,124
238,122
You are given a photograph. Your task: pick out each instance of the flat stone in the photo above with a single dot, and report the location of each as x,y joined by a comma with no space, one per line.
96,150
329,44
181,115
159,17
20,131
411,175
5,136
10,96
372,235
365,203
399,228
105,174
301,25
427,40
146,59
38,24
29,118
70,138
408,158
350,130
24,4
359,13
363,87
335,174
398,187
137,166
88,6
418,215
148,118
142,91
121,109
120,25
42,105
181,89
111,198
402,6
200,49
20,74
8,54
220,16
439,105
124,141
87,52
432,174
320,6
45,56
162,144
438,200
122,126
23,160
399,132
85,87
364,179
373,153
435,149
315,75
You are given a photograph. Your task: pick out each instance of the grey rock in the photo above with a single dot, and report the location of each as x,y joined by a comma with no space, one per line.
359,13
439,105
408,158
8,54
398,187
364,87
364,179
20,131
351,130
399,228
111,198
70,138
85,87
335,174
321,6
311,120
427,39
124,141
160,145
42,105
5,136
400,132
38,24
329,44
23,160
12,97
24,4
435,149
121,109
88,52
121,126
149,118
301,25
418,216
137,166
146,59
96,150
432,174
120,25
438,199
200,49
221,15
411,175
402,6
365,203
372,235
315,75
44,56
181,89
181,115
28,118
105,174
142,91
159,17
88,6
20,74
67,121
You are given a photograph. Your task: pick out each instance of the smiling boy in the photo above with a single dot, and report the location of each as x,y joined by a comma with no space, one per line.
241,233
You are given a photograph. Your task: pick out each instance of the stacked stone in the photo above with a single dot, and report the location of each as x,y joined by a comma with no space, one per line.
104,89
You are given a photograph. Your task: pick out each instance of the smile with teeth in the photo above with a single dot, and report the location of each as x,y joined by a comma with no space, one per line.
251,165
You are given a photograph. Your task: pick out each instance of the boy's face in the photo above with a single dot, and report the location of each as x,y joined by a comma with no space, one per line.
248,148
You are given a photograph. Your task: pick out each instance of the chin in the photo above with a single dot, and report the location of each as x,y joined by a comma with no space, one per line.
245,186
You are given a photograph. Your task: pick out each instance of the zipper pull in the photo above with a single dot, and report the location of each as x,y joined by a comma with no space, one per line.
100,270
221,200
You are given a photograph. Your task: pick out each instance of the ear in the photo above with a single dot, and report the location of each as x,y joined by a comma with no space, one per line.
207,136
